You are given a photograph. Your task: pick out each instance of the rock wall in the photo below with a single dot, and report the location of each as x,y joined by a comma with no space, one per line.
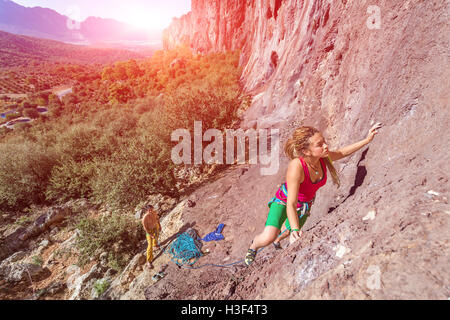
341,65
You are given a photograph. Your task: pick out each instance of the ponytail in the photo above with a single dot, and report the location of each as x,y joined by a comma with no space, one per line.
332,171
289,149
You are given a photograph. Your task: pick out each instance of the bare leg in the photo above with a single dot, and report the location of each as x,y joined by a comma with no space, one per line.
265,238
284,235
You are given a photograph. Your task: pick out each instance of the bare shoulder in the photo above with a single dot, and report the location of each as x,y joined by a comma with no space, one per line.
295,171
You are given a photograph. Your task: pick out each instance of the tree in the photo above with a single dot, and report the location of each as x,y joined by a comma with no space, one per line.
119,93
120,71
133,70
108,73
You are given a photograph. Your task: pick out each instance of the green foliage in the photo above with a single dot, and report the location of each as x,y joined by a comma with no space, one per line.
23,220
118,235
109,141
25,169
136,170
100,286
77,148
37,260
70,180
119,93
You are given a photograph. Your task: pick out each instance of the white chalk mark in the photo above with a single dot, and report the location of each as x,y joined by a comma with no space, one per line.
374,280
370,215
434,193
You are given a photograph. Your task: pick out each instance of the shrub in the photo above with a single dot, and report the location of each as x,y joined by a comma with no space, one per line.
118,235
79,143
143,167
77,149
25,169
37,260
100,286
69,180
110,147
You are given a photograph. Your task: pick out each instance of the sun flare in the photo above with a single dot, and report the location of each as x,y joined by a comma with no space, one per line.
146,20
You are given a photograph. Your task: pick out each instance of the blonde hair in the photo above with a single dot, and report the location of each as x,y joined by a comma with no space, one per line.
300,141
150,221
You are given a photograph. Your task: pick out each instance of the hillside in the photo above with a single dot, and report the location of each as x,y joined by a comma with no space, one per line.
19,50
47,23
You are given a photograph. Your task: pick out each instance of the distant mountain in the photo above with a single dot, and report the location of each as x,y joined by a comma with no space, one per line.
18,50
46,23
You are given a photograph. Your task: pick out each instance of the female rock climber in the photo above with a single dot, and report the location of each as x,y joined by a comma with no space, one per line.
306,173
152,227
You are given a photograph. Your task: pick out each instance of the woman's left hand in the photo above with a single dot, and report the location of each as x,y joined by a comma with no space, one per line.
373,131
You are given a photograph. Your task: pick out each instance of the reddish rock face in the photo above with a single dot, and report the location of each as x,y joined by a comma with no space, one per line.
339,66
210,26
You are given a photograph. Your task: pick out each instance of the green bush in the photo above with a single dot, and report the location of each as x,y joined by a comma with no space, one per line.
37,260
80,142
138,169
78,149
25,169
100,286
70,180
118,235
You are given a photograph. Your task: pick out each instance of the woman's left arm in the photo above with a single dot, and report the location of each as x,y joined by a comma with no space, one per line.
350,149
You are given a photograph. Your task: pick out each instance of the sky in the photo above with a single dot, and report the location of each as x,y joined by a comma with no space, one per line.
149,14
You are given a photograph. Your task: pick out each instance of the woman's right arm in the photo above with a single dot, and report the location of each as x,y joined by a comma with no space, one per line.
294,178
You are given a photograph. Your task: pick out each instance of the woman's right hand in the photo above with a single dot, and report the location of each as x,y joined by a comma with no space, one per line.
373,131
295,235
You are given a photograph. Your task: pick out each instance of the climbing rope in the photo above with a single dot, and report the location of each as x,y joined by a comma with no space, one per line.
184,250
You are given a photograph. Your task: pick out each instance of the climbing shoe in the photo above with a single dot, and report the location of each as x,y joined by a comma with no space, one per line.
277,246
158,276
250,257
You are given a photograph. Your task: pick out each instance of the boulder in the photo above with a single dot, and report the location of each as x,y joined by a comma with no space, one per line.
19,272
80,287
13,258
52,217
12,243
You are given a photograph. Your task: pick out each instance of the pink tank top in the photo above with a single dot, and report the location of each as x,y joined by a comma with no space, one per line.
307,190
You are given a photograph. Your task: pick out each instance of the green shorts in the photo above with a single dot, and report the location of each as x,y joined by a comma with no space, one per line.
278,214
